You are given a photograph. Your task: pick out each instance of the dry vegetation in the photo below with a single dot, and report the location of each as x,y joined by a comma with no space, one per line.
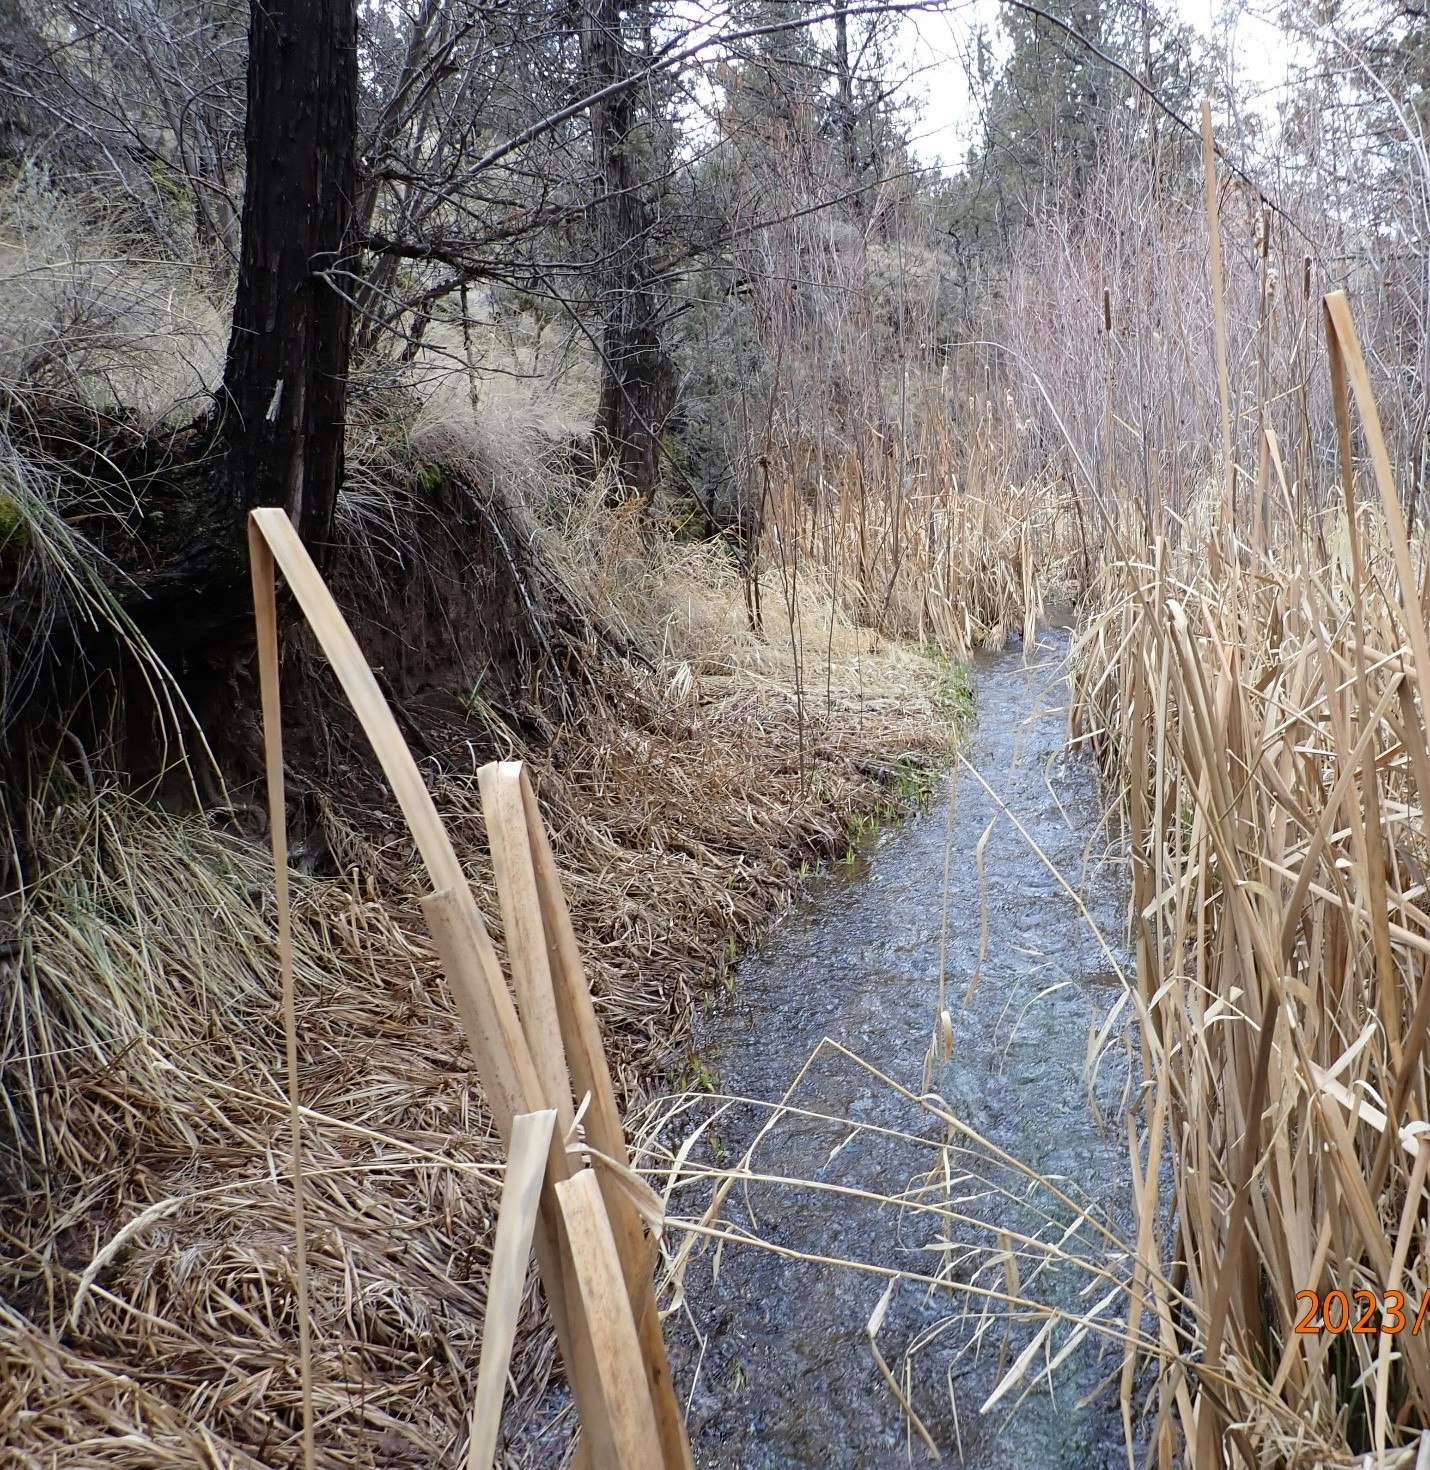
1267,733
1251,674
148,1265
1271,755
141,1053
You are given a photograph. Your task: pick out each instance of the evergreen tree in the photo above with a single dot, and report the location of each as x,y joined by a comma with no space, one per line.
1074,78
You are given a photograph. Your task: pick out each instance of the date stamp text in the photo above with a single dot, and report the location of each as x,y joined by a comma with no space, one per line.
1364,1313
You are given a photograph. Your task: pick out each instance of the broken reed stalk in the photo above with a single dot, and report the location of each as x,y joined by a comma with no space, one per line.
520,1060
1218,280
551,982
596,1266
531,1136
493,1029
266,615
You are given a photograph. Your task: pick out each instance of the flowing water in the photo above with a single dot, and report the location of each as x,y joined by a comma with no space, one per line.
774,1350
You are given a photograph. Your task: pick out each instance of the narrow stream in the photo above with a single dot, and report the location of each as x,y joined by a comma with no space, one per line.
776,1347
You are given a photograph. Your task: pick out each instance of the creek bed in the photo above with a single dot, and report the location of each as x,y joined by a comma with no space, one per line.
775,1345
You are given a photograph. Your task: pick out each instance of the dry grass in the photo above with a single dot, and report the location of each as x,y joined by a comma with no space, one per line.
88,310
1271,755
923,536
1249,675
148,1261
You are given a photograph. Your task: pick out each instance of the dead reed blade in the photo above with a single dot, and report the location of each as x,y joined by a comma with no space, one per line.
616,1377
452,936
618,1356
266,616
516,1222
566,1039
1268,731
1219,313
531,1136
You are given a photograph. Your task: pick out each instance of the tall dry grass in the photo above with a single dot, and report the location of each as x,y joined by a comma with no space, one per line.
1253,676
91,311
1253,578
920,535
1271,756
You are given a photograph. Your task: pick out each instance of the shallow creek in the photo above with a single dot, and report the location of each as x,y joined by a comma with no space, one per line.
776,1346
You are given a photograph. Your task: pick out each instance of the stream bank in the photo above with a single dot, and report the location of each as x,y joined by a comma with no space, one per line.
776,1344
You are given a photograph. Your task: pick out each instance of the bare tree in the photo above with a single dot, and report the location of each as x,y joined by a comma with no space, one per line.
145,95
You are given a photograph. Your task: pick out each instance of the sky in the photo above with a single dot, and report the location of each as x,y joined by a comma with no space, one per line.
936,52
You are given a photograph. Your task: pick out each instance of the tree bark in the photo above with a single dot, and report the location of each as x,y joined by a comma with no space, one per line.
285,381
635,374
845,114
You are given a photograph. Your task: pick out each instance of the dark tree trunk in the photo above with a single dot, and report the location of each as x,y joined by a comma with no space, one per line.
845,114
635,371
180,567
285,382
